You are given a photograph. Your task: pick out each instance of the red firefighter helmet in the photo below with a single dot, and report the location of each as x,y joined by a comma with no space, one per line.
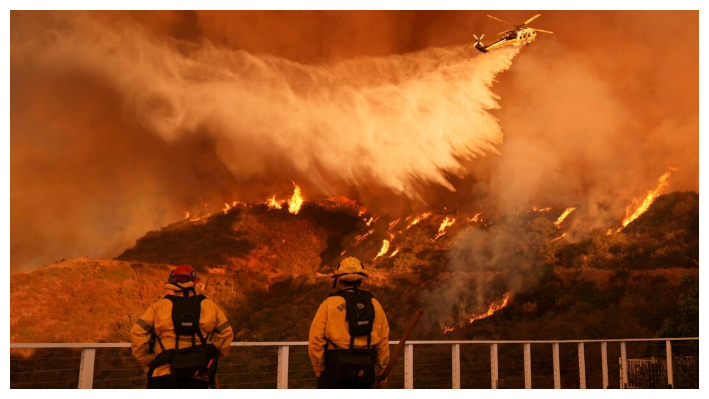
183,274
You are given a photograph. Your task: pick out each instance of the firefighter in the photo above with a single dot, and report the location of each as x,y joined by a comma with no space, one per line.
330,331
153,337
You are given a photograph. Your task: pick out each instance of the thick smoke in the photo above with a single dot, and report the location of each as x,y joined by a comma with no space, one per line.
381,123
122,121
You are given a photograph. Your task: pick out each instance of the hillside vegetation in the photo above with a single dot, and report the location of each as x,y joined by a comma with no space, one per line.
269,270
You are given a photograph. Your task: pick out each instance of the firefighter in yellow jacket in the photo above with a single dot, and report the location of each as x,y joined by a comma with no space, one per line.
330,332
153,337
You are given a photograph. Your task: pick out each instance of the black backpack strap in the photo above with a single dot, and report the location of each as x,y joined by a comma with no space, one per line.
157,337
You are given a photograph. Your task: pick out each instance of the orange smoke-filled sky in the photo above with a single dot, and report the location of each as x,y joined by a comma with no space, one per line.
120,121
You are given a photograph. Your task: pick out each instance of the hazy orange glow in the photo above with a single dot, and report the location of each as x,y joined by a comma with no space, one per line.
662,184
447,222
494,307
563,216
295,201
385,248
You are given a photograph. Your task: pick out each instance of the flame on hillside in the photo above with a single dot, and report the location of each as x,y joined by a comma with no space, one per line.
417,219
534,208
563,216
476,218
394,253
494,307
344,202
361,237
272,203
392,224
296,200
447,222
649,199
559,238
385,248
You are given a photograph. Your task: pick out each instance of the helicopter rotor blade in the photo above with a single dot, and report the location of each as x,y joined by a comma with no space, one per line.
502,20
542,30
502,33
532,19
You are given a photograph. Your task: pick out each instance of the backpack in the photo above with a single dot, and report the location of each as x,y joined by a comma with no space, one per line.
198,359
356,365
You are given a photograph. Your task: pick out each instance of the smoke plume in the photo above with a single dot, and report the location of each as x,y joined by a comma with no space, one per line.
122,121
381,123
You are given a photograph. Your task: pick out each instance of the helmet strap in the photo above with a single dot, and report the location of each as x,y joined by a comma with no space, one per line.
334,282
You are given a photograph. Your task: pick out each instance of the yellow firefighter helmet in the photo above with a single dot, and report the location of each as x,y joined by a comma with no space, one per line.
350,269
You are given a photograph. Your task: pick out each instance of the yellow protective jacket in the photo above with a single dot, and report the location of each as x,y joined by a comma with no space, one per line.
331,324
212,321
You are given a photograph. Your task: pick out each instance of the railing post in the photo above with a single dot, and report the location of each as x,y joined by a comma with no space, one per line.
604,364
527,366
493,366
557,371
408,366
623,366
455,355
582,367
283,352
86,370
670,372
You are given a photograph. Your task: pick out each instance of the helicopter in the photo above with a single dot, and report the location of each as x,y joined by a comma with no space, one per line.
521,34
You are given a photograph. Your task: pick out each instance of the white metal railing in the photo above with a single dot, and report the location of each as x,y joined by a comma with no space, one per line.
88,357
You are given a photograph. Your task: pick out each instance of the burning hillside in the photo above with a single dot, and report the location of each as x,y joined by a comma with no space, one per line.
259,262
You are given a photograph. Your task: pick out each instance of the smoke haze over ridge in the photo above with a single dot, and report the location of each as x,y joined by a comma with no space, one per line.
118,128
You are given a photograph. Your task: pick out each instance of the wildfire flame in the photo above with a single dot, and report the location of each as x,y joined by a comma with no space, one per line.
385,248
447,222
392,224
476,218
494,307
649,199
344,202
296,200
394,253
418,219
272,203
563,216
187,215
534,208
361,237
226,208
559,238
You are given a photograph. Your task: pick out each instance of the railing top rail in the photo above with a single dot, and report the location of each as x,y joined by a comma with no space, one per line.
14,345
